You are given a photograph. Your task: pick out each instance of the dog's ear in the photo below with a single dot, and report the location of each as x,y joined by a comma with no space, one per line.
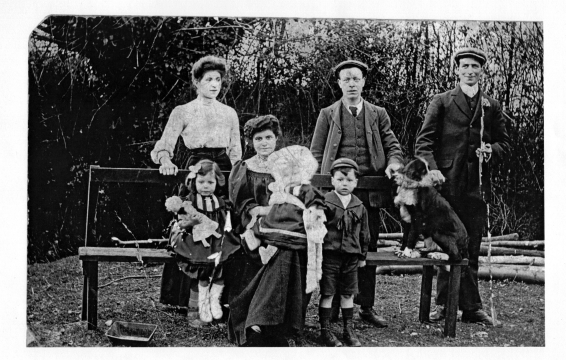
409,172
423,168
400,173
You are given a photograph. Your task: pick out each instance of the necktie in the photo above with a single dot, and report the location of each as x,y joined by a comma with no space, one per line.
354,110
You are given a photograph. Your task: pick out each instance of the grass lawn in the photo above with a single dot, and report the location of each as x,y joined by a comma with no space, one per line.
54,293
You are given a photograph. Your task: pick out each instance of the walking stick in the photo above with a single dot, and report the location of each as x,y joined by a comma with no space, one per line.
481,158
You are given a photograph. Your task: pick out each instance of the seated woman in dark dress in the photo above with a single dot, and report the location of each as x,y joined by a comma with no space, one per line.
288,234
249,194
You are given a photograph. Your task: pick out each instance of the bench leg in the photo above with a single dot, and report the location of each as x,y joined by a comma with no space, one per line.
426,291
85,292
452,301
90,294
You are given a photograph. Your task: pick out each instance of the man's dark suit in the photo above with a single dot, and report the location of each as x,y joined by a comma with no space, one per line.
448,140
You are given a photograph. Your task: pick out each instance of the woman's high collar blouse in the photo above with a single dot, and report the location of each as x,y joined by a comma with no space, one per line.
201,125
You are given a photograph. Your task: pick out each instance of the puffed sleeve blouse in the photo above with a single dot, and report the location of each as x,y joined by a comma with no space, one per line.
201,125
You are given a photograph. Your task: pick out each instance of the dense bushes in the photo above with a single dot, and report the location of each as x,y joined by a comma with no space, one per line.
101,90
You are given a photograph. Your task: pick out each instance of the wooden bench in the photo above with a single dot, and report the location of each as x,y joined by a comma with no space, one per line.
91,255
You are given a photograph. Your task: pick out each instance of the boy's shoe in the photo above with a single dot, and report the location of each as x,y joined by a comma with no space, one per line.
328,338
479,317
369,315
438,315
349,335
326,335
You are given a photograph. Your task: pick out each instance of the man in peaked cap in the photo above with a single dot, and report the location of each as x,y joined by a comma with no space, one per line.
355,129
449,140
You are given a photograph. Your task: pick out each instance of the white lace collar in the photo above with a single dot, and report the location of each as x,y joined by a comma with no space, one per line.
258,165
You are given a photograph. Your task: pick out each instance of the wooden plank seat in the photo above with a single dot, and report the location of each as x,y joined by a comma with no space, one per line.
92,255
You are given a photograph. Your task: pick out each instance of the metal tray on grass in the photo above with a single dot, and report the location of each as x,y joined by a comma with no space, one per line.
123,333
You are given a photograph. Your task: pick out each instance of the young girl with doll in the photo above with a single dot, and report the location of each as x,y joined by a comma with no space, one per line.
197,239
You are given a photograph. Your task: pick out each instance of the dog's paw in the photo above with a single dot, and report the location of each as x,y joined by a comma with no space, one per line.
415,254
403,254
437,256
406,252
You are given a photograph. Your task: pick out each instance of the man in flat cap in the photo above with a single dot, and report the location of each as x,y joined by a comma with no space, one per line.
450,141
355,129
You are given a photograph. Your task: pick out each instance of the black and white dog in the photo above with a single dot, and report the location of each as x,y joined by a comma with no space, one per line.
428,214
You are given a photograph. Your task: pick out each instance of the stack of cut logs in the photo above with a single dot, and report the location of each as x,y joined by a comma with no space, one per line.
511,258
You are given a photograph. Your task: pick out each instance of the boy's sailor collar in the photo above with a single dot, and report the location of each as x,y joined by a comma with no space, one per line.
335,200
345,199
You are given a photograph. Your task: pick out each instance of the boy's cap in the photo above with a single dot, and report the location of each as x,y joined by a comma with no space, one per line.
344,162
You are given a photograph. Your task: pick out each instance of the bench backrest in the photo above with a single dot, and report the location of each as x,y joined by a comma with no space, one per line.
99,175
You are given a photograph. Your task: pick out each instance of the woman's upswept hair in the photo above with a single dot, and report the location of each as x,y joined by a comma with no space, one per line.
208,63
206,166
261,123
256,125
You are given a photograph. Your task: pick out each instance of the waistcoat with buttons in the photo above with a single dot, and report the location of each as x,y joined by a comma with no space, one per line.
472,101
353,144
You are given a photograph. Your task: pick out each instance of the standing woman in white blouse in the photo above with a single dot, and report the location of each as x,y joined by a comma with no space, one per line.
210,130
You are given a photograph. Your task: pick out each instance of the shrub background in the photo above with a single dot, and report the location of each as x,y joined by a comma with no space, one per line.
101,90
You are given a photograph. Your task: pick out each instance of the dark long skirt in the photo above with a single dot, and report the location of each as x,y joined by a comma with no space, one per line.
175,284
239,270
273,299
